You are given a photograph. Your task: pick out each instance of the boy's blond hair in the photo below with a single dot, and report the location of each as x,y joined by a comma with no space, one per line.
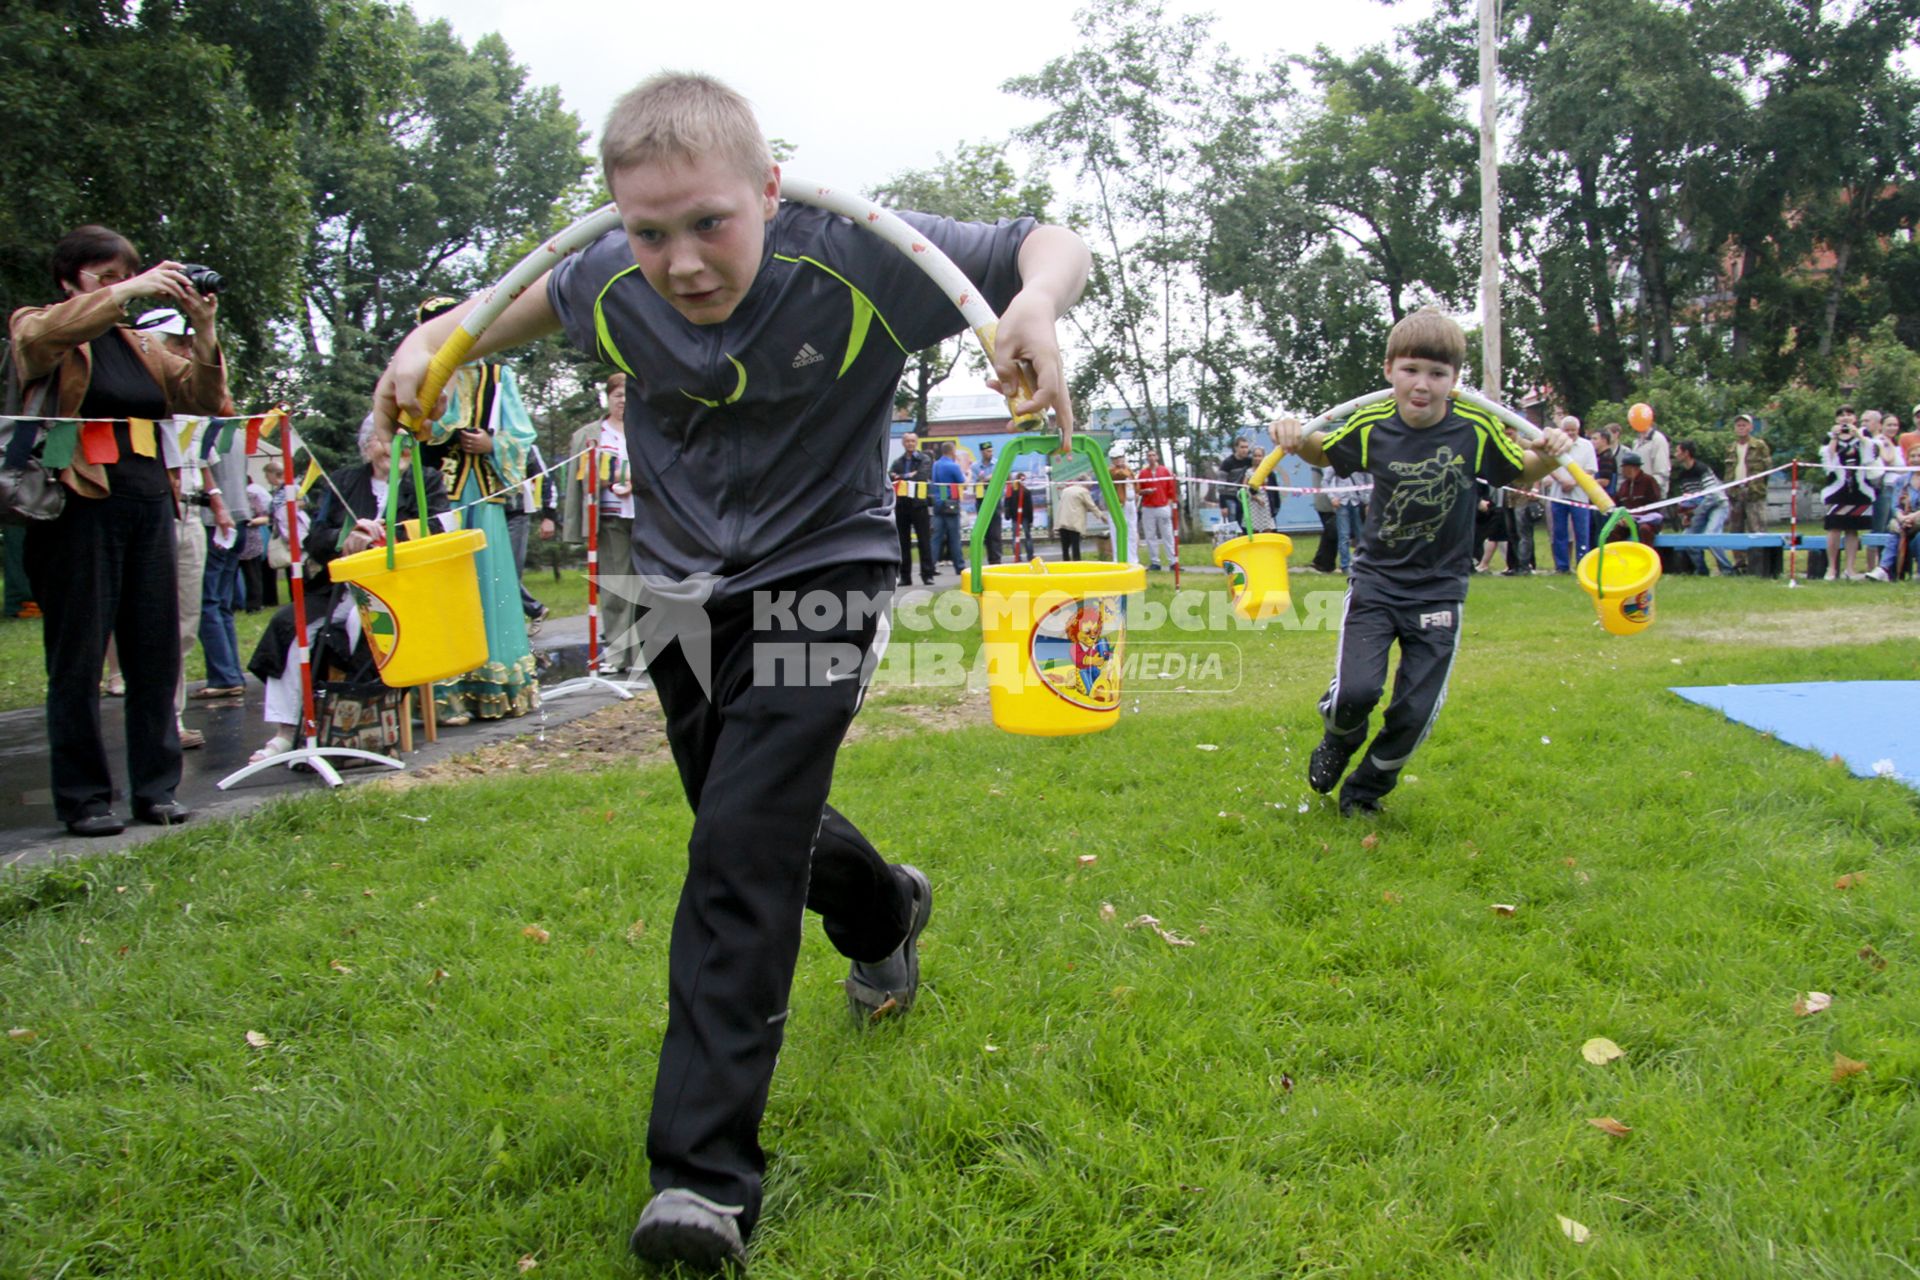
677,116
1428,334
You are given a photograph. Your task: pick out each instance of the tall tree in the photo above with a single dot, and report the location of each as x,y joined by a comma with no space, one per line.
1156,121
464,157
1365,212
167,123
977,183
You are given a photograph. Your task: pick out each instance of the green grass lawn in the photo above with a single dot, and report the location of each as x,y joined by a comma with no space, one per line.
1359,1068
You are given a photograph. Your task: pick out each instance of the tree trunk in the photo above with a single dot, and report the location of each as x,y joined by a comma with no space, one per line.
1743,302
1830,314
1613,360
1657,304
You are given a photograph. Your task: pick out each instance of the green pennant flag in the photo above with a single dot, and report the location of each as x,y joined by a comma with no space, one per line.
62,437
226,433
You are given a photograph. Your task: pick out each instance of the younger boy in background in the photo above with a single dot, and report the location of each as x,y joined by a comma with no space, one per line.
1409,578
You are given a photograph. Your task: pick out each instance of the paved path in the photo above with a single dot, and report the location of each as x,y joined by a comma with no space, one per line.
29,833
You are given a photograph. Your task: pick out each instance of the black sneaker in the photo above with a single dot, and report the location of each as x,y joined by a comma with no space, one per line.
1350,805
681,1226
888,986
1328,762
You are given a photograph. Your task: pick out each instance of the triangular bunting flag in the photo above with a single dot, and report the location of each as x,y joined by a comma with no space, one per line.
227,426
313,475
61,439
97,444
26,432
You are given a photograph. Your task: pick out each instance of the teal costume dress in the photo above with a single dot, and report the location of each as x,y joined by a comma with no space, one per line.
486,397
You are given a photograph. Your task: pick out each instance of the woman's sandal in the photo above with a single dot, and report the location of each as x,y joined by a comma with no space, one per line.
114,687
276,746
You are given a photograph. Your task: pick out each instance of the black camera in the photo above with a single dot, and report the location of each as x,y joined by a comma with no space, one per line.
205,279
199,500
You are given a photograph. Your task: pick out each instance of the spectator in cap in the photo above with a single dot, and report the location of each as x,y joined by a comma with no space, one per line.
1748,459
1633,489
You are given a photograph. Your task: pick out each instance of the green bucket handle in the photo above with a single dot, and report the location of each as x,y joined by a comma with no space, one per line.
403,444
996,488
1600,544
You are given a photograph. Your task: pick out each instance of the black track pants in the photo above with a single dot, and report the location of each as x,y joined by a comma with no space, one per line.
1429,637
756,760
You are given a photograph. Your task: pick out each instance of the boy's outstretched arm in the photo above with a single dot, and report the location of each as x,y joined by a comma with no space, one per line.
527,317
1543,455
1054,264
1305,446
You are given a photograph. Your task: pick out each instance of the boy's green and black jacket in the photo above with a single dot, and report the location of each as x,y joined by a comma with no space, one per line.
758,445
1418,545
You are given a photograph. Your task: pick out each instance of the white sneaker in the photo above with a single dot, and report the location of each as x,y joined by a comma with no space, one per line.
1877,574
1833,575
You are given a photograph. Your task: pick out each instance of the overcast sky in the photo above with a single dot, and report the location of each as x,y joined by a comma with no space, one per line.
864,98
861,98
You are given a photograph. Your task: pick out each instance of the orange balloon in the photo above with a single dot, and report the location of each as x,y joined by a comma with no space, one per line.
1640,417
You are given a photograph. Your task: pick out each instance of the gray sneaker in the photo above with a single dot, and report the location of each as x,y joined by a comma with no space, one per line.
683,1226
889,986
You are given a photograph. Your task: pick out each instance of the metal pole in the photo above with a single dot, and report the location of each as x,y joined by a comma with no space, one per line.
1489,199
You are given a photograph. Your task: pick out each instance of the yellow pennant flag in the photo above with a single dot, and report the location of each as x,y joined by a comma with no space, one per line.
313,475
920,489
141,431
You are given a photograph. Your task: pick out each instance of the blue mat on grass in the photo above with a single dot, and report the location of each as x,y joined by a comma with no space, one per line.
1873,725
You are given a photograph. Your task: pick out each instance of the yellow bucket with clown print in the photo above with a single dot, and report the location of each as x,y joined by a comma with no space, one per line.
422,616
1620,578
1054,639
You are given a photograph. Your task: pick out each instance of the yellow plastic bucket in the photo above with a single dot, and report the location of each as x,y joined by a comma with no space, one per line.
1256,565
421,617
1054,639
1622,588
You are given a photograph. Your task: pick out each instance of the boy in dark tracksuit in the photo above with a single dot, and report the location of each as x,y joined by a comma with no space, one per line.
1409,579
762,342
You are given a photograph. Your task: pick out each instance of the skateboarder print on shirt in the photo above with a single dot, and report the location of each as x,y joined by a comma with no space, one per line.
1420,502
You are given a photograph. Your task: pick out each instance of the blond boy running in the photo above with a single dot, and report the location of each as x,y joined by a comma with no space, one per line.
762,342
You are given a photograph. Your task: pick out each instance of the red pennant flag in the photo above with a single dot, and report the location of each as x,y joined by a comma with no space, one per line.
253,435
97,444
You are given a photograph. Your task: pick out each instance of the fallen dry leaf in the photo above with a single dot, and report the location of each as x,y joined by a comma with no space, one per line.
22,1035
1851,880
1573,1230
884,1009
258,1039
1286,1083
535,932
1205,746
1107,912
1087,859
1600,1051
526,1263
1371,841
337,967
1607,1124
1843,1066
1873,957
366,893
439,976
636,931
1388,895
1569,862
1170,938
1811,1003
1503,908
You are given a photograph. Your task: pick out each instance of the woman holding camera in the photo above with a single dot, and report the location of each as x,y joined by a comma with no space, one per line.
1853,475
104,567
